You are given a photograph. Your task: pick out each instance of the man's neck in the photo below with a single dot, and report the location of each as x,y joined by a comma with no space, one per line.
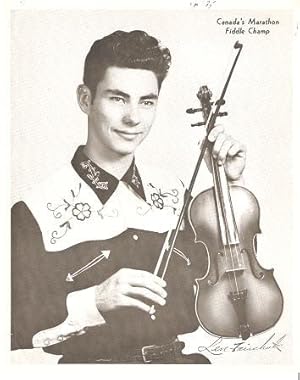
113,164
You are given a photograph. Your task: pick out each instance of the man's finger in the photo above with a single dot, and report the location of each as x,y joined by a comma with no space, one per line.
224,151
144,275
237,148
132,302
218,144
137,292
149,284
215,132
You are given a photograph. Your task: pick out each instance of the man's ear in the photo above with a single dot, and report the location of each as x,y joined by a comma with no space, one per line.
84,98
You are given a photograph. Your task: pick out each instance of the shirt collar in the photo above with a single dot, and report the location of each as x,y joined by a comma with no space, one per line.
103,183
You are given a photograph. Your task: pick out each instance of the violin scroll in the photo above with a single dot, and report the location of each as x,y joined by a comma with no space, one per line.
204,95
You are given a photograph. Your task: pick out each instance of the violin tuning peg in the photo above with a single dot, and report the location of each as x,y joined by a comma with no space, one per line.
198,124
220,102
193,110
190,110
223,114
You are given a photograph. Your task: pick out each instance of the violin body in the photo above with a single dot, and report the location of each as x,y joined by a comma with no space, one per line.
237,297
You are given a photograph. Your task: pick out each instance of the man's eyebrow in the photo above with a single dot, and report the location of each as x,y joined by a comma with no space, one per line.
149,96
127,96
117,92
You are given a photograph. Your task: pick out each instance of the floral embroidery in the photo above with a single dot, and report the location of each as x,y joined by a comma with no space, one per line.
94,175
165,199
82,211
157,200
58,214
70,209
55,235
135,179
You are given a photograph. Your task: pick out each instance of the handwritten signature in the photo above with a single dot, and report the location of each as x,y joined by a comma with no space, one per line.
218,347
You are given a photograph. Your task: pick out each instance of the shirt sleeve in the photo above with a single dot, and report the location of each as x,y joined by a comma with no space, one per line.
82,314
37,301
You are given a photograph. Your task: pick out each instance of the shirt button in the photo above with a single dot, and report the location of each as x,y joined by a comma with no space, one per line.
135,237
46,342
60,338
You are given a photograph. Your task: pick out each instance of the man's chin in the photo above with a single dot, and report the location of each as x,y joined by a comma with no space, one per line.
127,149
124,153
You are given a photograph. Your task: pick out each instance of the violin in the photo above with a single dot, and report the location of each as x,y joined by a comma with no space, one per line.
237,297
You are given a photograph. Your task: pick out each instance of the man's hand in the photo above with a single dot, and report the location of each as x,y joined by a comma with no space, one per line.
228,152
130,288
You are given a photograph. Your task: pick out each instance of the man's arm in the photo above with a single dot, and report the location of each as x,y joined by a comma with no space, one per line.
39,303
82,314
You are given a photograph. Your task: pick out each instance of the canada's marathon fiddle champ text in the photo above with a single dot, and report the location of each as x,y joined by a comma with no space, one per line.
251,25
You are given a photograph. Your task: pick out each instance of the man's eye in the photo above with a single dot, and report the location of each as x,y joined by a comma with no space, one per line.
148,103
117,99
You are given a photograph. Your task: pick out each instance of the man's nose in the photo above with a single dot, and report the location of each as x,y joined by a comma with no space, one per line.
132,116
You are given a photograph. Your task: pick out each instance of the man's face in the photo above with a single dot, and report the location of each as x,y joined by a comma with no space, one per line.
123,111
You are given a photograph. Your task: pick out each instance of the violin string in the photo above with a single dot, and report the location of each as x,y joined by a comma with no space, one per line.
216,176
214,173
239,253
230,275
240,257
233,282
221,199
232,260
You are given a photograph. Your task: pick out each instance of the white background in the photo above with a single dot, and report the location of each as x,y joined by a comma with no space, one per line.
48,49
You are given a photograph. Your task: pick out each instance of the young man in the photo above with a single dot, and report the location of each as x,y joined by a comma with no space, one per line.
86,241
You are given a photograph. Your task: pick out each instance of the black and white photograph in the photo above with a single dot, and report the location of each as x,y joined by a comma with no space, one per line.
152,186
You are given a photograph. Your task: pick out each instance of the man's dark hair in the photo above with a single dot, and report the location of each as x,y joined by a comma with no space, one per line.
136,50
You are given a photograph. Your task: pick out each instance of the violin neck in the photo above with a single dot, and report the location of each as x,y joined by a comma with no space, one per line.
227,224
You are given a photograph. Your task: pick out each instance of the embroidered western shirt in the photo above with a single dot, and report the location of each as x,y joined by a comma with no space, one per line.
76,229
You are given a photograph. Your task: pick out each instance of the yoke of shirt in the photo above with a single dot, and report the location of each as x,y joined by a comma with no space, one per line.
68,210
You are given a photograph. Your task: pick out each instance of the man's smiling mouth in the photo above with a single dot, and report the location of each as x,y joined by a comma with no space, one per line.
127,135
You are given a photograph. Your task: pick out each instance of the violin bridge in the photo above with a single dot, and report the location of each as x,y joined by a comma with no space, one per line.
240,267
234,258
